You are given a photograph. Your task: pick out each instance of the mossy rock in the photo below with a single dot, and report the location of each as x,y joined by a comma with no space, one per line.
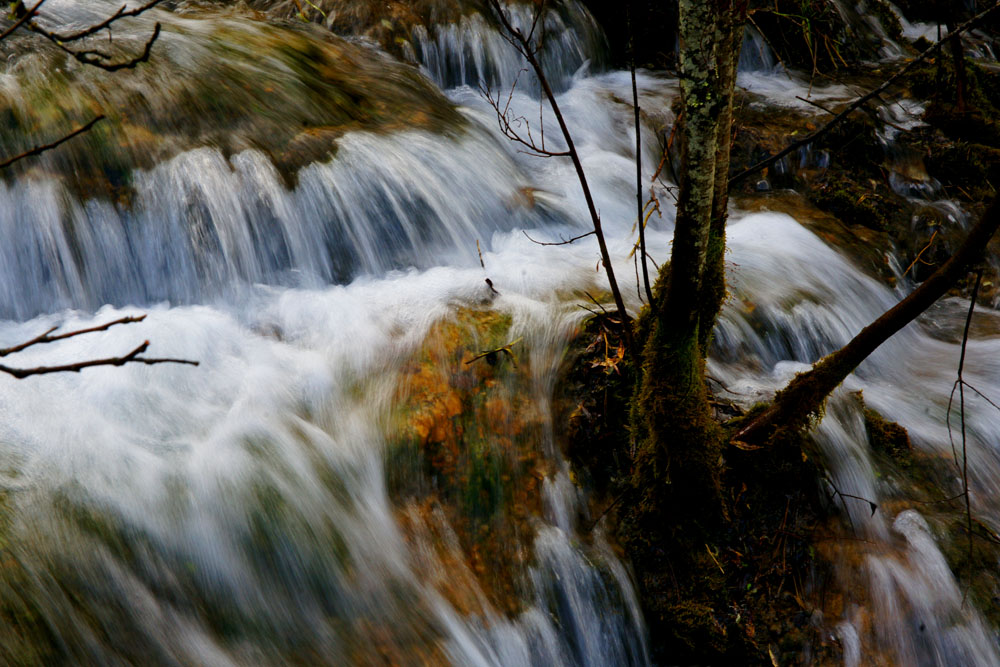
218,80
855,203
466,438
888,438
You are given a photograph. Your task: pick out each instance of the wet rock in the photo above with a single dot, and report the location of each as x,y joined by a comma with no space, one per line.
465,452
217,80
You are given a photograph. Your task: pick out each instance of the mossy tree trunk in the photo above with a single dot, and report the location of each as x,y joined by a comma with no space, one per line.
714,287
679,442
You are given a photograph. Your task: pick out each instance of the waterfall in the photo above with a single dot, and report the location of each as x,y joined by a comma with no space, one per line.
472,52
269,506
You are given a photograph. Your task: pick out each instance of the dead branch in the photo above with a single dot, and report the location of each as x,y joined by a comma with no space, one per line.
931,50
806,393
46,338
525,46
566,242
133,357
491,355
38,150
98,58
507,125
26,16
93,57
123,12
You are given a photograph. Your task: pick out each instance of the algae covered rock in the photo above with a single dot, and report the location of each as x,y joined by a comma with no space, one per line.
214,79
465,459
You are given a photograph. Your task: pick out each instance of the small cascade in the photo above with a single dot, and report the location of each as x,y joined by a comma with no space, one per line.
756,55
917,30
343,480
910,607
252,511
472,52
199,222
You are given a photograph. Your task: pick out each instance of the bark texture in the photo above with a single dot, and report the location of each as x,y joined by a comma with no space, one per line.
677,460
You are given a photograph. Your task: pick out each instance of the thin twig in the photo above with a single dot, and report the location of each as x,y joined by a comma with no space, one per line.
566,242
38,150
46,338
961,411
920,254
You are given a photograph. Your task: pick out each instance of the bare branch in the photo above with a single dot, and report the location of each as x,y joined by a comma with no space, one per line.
46,338
25,17
566,242
122,12
131,357
97,58
507,123
38,150
515,37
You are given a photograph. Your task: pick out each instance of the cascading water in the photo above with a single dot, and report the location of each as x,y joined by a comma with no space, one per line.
472,52
268,507
241,512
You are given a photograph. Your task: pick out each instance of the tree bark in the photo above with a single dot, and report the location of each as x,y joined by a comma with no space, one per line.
714,279
678,450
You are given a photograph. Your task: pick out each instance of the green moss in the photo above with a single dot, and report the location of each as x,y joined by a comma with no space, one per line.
968,170
854,203
888,438
466,439
289,91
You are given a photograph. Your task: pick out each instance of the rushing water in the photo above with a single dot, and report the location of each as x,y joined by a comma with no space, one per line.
239,512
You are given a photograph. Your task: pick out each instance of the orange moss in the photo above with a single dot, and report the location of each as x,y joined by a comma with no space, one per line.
466,441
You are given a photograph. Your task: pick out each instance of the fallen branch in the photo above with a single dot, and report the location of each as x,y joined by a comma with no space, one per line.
133,357
807,392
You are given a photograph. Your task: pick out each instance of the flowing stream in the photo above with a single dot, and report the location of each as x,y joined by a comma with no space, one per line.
250,509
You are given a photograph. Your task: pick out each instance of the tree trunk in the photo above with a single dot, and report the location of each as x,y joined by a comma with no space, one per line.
714,280
679,443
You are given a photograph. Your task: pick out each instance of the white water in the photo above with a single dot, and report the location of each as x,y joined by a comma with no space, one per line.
238,512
